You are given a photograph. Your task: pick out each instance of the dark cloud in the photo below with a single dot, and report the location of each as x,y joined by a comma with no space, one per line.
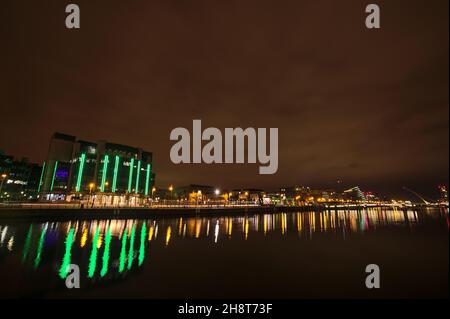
368,107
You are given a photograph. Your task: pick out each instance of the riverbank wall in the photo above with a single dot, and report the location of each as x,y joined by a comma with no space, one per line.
57,213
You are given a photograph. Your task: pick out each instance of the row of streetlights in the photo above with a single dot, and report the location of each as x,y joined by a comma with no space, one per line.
92,186
217,192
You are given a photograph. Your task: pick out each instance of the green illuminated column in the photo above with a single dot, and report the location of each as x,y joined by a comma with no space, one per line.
137,176
105,169
116,170
42,175
80,172
130,177
54,174
147,178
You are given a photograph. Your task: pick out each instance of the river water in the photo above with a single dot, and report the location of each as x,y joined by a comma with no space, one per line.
280,255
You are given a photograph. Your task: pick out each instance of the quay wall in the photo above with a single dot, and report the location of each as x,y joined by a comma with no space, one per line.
149,212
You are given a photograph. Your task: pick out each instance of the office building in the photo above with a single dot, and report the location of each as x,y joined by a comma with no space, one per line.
101,172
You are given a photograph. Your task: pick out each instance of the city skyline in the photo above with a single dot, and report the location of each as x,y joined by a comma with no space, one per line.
369,108
61,172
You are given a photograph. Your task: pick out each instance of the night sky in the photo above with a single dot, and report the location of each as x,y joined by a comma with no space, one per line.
368,107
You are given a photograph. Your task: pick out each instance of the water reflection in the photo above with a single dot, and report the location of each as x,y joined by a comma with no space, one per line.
108,249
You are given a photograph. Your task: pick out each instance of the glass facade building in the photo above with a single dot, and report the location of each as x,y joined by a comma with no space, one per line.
19,179
107,173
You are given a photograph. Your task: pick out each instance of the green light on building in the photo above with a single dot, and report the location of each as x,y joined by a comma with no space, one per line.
147,179
42,176
116,170
130,176
137,176
105,169
54,174
80,171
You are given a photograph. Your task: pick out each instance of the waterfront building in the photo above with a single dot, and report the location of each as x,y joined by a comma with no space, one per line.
371,196
101,172
303,195
298,195
194,193
443,191
247,195
19,179
354,194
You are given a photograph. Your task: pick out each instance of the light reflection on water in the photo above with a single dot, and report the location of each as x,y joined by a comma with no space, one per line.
111,249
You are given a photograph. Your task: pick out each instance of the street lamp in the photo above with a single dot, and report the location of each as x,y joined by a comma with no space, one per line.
153,195
199,195
104,198
3,180
171,191
91,187
217,193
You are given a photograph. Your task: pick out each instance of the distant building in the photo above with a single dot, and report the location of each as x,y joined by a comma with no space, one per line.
76,169
19,180
443,190
247,195
195,193
371,196
300,195
354,194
